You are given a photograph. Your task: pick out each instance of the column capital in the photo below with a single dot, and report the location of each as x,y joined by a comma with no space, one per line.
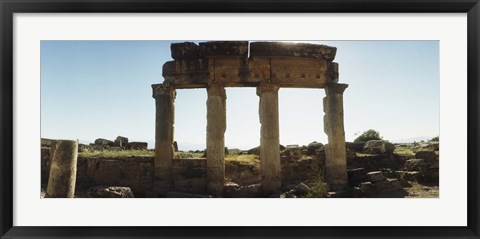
216,89
266,87
335,89
163,90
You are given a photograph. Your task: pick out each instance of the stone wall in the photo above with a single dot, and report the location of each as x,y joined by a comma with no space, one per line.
135,172
189,175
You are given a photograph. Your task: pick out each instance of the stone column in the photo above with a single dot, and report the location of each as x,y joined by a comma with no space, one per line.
269,138
63,169
216,126
164,119
336,160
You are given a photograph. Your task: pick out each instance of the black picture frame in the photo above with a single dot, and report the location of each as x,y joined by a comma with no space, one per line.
9,7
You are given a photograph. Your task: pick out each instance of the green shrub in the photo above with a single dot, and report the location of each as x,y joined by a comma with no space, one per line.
435,139
319,190
368,135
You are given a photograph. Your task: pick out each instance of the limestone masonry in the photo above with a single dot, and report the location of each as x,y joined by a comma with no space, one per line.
268,66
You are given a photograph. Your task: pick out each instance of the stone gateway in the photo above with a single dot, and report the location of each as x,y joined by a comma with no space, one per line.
268,66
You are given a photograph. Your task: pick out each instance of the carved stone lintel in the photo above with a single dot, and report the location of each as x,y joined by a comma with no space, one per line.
284,49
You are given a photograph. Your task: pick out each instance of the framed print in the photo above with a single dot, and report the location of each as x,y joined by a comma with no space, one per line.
204,119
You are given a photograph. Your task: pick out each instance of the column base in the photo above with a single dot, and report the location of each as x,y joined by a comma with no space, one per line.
270,187
215,181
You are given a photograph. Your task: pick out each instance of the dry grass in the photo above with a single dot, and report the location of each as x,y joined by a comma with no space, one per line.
115,153
243,159
404,151
249,159
360,155
422,191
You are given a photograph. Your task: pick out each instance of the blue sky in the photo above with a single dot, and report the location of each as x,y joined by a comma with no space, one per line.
102,89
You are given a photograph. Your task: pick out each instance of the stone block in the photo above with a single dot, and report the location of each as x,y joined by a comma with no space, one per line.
313,146
185,195
297,72
109,192
368,188
422,165
286,49
388,185
355,146
426,154
259,69
378,147
411,176
229,71
338,194
233,190
137,145
356,175
121,141
301,189
388,173
224,48
169,68
184,50
395,184
104,142
375,176
383,186
357,192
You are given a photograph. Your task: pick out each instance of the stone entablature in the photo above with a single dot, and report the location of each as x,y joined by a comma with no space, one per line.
231,64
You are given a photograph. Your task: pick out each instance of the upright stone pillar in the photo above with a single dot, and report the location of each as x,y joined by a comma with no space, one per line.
216,126
63,169
269,138
336,160
164,119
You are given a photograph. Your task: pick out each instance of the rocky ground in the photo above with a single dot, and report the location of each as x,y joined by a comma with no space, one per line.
376,169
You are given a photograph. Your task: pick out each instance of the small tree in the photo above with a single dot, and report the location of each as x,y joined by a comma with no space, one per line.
435,139
368,135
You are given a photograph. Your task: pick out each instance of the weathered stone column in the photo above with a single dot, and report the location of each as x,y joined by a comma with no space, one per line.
269,138
63,169
216,126
164,119
336,160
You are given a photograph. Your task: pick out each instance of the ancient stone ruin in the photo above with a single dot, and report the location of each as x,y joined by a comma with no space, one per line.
268,66
120,143
122,169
